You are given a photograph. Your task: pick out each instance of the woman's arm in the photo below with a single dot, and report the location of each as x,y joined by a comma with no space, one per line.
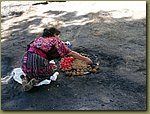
78,56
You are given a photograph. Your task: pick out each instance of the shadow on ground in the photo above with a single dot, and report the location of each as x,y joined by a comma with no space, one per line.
119,45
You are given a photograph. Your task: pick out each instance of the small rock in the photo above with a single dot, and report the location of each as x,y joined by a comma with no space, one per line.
105,99
57,86
102,105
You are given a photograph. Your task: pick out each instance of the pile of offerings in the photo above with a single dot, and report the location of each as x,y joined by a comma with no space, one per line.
75,67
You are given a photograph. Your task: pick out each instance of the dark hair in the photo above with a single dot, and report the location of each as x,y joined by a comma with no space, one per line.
50,32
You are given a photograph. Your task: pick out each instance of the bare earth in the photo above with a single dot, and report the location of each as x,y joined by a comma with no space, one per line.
113,34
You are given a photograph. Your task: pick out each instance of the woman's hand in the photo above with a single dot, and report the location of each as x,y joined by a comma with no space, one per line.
88,60
78,56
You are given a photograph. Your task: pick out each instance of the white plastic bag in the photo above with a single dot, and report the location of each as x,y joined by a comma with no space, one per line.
17,72
6,79
46,81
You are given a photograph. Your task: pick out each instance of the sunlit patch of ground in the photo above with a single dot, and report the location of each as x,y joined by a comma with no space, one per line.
117,9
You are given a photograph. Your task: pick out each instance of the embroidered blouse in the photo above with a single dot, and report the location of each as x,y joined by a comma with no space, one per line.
49,47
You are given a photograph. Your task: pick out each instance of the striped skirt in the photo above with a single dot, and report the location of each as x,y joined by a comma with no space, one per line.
35,66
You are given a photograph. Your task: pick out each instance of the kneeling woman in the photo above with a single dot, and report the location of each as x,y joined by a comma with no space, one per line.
35,62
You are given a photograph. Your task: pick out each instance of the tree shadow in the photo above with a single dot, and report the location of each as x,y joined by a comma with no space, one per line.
116,42
54,12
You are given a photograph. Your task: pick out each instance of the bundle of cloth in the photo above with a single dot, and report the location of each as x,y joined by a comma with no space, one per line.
75,67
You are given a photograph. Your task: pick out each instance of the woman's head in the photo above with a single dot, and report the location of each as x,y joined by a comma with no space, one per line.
47,32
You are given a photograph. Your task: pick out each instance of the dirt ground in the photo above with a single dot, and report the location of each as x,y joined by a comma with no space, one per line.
115,36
